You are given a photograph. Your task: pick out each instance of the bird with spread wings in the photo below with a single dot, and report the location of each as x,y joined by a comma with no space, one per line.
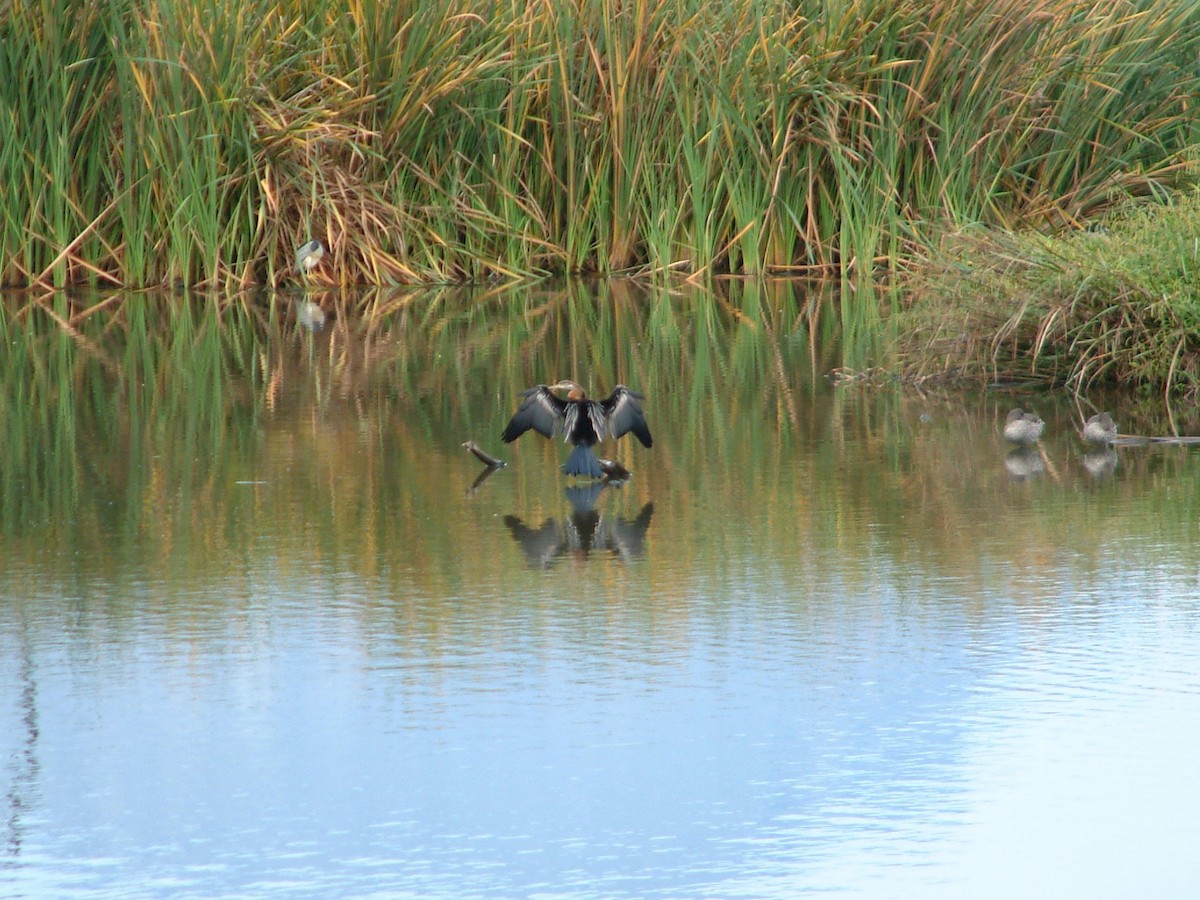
582,422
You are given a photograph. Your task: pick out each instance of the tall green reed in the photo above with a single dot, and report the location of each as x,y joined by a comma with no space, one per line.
461,140
55,83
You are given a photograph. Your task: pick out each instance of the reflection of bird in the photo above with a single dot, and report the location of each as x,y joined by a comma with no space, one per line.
1099,429
308,256
1023,463
583,422
1022,427
1100,461
583,533
626,539
310,315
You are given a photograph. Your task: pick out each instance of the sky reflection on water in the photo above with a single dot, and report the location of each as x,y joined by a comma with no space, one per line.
843,652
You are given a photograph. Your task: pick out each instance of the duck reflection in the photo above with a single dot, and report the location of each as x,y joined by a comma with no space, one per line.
584,532
1100,462
1024,463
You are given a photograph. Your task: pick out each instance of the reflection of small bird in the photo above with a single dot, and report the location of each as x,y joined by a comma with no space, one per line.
1100,461
1022,427
309,256
1023,463
583,422
310,315
1099,429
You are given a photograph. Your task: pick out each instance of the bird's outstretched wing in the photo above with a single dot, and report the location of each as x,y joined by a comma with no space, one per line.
542,545
540,410
624,411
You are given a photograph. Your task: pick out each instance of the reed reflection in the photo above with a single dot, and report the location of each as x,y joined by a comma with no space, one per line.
584,532
23,765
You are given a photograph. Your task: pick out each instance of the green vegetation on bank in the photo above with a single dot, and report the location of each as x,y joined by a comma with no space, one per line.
1119,303
200,141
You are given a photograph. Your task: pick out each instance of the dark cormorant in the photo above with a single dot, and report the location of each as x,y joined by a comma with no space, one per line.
583,422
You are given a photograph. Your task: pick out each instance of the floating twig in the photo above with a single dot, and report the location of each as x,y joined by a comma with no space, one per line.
483,456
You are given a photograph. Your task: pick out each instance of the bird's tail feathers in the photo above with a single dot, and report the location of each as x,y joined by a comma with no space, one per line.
583,462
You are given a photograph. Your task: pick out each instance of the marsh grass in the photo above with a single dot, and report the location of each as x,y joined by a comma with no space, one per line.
200,141
1117,304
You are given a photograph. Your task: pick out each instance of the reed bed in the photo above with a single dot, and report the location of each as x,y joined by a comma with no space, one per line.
198,142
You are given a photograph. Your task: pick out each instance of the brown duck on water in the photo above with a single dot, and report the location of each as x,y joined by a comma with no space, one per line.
1099,429
1023,428
583,422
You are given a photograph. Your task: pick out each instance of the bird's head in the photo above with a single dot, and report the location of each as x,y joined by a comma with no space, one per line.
574,391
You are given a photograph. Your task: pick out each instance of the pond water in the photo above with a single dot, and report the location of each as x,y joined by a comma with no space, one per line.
263,633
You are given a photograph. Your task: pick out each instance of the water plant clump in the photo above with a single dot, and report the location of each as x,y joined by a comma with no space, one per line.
1117,303
172,141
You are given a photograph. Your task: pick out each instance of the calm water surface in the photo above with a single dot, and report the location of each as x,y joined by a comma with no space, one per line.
262,634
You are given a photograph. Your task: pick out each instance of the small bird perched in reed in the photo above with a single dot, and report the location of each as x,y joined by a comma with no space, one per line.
308,256
583,422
